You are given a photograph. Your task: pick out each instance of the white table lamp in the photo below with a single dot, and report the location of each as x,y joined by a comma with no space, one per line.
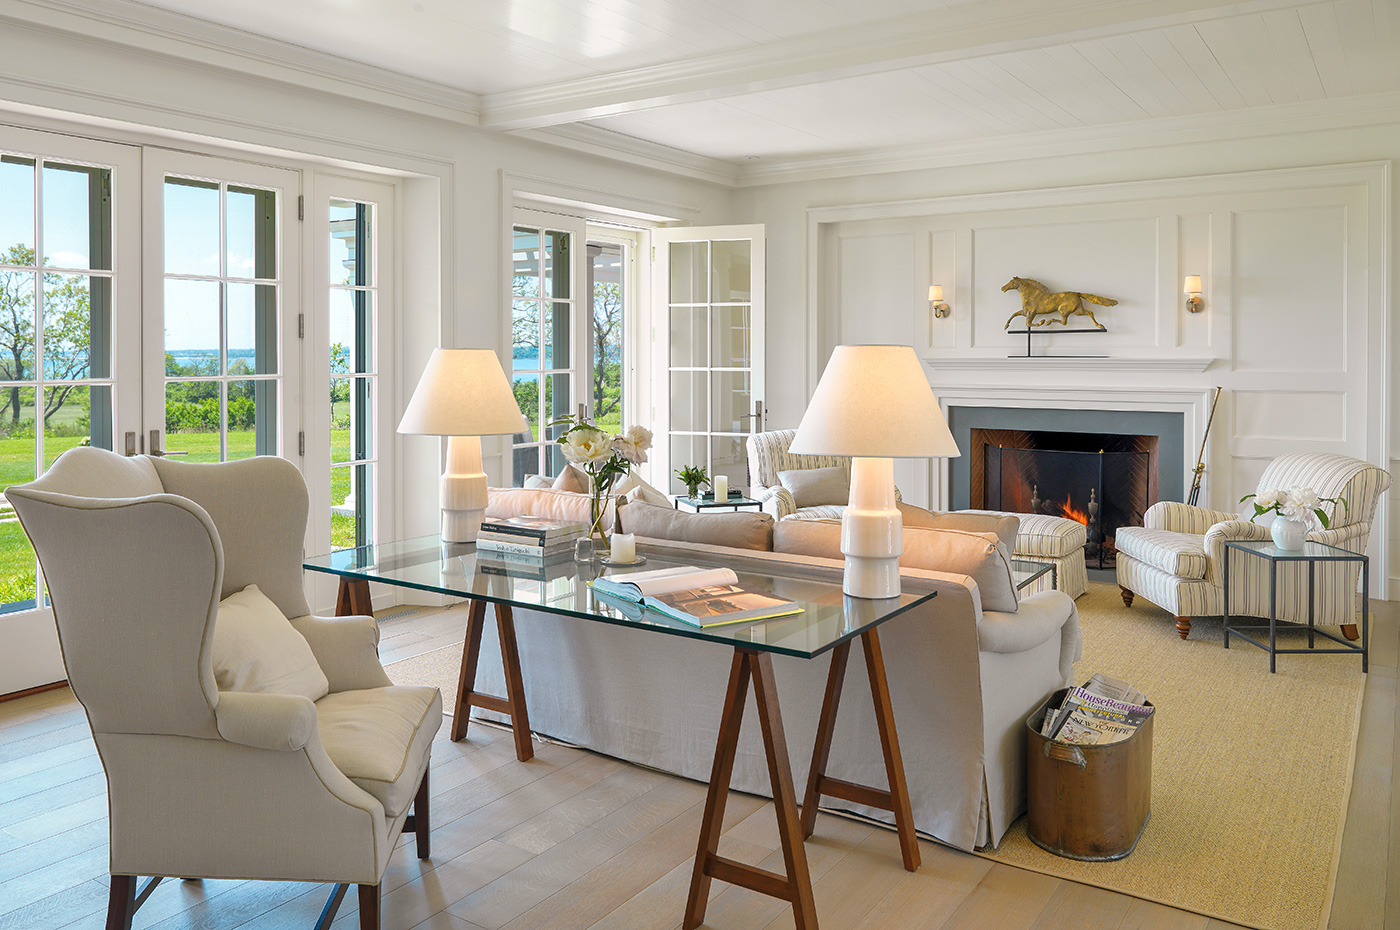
463,395
873,403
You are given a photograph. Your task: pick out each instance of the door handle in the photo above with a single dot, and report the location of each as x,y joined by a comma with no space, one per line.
130,444
156,450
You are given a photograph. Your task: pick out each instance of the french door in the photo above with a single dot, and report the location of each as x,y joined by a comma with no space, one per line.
709,347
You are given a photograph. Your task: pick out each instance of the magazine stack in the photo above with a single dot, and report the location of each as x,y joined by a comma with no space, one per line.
1104,711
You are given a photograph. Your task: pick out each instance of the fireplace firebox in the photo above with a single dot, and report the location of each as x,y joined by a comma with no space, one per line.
1103,480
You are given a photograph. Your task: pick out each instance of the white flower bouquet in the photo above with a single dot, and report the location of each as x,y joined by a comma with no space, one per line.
1301,504
603,458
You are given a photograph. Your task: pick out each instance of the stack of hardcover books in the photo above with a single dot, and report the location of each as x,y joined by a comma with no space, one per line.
528,536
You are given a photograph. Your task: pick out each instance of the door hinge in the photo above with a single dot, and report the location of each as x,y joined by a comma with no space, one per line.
653,253
301,206
301,443
301,325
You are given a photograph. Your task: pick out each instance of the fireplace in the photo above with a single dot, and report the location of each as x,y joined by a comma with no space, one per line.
1103,480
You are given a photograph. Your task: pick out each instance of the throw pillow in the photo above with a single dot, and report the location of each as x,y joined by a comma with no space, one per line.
572,479
257,649
564,506
1004,525
634,488
535,482
979,555
817,487
746,530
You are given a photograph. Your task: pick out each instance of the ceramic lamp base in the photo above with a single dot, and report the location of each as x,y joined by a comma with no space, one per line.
872,536
463,490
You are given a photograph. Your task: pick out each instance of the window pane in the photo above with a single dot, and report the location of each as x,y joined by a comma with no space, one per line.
689,401
68,326
728,457
606,349
689,279
252,407
191,227
527,395
191,327
732,401
16,210
557,265
17,465
250,230
18,304
351,246
69,421
557,335
685,452
689,341
730,271
525,335
558,402
525,461
525,280
352,487
70,192
352,331
252,329
192,419
731,340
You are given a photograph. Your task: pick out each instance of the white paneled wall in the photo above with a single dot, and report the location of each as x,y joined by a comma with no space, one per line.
1293,328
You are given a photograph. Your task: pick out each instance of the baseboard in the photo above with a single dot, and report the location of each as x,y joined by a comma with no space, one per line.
40,689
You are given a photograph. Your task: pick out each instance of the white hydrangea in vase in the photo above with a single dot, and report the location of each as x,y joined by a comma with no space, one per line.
1295,510
604,458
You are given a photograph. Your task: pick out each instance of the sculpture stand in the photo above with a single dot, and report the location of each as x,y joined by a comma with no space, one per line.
1028,332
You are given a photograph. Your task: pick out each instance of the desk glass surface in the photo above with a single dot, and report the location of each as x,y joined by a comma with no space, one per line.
560,586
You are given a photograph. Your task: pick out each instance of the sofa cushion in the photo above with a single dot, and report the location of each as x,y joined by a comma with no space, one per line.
814,487
564,506
1180,554
980,556
745,530
379,737
825,512
257,649
1004,525
1042,534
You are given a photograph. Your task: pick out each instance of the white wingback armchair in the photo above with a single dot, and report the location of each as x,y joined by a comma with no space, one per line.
203,783
1176,559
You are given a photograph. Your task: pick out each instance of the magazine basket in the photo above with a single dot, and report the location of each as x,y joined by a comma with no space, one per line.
1087,802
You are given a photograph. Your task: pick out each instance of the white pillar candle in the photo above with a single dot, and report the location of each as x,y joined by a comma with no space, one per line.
624,547
721,485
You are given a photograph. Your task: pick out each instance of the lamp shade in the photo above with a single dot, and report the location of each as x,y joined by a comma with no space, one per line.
463,392
874,401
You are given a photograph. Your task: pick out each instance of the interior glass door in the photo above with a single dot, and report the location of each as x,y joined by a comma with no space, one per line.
713,347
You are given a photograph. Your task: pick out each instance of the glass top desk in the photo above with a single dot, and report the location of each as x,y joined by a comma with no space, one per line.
829,622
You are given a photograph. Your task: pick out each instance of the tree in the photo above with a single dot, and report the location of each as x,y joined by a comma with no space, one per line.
607,348
67,331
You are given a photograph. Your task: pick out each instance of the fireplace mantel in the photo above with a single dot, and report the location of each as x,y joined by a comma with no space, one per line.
1065,362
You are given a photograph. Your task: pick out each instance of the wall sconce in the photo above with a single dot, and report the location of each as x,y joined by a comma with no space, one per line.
1193,293
935,299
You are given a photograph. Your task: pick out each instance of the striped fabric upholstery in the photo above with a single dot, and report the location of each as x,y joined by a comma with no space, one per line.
1057,540
1360,483
768,455
820,512
1147,564
1183,518
1181,554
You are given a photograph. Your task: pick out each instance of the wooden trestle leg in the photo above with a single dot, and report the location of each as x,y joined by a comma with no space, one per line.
352,598
513,704
896,799
796,885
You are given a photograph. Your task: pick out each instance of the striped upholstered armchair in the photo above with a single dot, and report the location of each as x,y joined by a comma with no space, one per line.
1176,559
769,455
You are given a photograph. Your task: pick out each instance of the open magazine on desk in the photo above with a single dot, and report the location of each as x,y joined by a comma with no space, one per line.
699,597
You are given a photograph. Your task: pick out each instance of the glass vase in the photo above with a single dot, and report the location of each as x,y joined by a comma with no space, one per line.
597,525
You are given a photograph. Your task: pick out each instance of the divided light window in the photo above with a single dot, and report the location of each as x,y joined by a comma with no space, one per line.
542,347
353,299
222,292
55,334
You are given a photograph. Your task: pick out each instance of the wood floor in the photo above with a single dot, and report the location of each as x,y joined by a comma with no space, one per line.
575,840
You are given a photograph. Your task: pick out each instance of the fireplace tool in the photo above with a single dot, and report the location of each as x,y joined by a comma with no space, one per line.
1201,456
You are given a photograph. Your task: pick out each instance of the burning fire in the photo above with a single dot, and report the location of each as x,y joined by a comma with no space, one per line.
1068,510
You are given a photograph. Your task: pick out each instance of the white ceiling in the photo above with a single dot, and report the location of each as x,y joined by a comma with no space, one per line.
763,82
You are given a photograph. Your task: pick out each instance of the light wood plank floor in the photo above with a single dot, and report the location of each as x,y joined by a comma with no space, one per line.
576,840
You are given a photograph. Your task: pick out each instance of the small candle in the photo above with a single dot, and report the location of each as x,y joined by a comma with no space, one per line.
721,484
624,547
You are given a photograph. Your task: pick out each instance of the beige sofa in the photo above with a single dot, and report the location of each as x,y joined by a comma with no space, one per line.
962,678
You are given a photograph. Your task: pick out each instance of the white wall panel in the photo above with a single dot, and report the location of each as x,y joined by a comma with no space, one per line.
878,298
1290,416
1115,258
1289,288
1194,234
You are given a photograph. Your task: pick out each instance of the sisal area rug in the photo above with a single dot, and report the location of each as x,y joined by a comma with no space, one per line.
1250,771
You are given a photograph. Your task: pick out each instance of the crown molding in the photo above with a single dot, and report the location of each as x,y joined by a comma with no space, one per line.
967,31
605,143
133,26
1259,122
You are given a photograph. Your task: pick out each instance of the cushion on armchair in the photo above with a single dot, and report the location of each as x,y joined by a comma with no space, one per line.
817,487
376,737
1180,554
257,649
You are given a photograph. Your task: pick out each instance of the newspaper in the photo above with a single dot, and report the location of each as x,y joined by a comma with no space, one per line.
1089,717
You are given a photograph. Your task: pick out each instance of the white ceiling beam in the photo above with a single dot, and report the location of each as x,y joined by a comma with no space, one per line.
963,32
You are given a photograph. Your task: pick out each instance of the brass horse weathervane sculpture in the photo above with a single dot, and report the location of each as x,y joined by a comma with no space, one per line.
1037,300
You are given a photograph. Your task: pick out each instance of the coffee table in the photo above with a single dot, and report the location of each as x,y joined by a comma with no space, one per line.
1025,571
829,622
